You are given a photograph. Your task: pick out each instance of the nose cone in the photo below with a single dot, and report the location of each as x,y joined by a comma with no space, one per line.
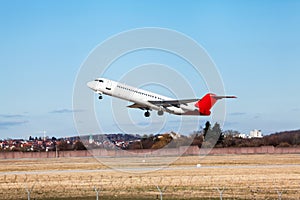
91,85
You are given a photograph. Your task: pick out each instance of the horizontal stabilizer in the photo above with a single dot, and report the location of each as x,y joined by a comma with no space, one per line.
223,97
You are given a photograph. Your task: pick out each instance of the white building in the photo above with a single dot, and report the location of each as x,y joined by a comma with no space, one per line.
255,134
242,135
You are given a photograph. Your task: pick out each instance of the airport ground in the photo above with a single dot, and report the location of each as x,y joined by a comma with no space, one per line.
258,176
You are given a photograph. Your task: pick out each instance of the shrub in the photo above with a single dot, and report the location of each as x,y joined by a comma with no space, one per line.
284,144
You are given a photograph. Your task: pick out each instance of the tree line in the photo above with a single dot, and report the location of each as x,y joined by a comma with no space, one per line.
210,136
213,136
232,138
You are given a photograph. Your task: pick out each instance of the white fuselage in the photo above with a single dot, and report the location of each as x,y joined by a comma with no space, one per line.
140,97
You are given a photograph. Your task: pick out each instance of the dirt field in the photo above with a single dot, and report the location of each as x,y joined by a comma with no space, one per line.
241,177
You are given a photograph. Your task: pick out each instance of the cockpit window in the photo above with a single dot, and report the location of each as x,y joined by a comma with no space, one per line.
101,81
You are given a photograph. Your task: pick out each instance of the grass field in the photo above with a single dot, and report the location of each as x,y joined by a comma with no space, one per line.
241,177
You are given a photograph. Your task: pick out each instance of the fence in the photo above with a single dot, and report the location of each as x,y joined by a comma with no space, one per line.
68,186
188,150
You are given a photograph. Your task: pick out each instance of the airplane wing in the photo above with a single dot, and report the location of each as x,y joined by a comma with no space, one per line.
135,105
176,103
164,103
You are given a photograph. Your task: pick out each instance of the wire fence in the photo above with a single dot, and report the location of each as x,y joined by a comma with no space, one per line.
158,186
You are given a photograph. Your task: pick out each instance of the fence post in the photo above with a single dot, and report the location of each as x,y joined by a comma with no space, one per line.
29,191
221,193
160,193
279,194
97,190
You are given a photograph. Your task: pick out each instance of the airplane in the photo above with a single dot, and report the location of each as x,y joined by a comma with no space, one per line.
148,101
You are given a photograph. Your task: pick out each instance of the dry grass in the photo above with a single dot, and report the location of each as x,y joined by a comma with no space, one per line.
242,176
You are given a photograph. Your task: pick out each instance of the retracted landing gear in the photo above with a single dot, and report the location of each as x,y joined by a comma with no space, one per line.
147,113
100,97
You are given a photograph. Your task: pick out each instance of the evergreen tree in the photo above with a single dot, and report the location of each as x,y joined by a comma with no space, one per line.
218,132
213,135
206,128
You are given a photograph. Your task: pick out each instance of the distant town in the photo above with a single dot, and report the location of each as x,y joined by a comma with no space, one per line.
210,135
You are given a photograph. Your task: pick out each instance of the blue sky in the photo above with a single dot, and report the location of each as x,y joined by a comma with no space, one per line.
254,44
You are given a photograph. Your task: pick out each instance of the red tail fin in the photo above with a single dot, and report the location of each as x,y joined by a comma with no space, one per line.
206,103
